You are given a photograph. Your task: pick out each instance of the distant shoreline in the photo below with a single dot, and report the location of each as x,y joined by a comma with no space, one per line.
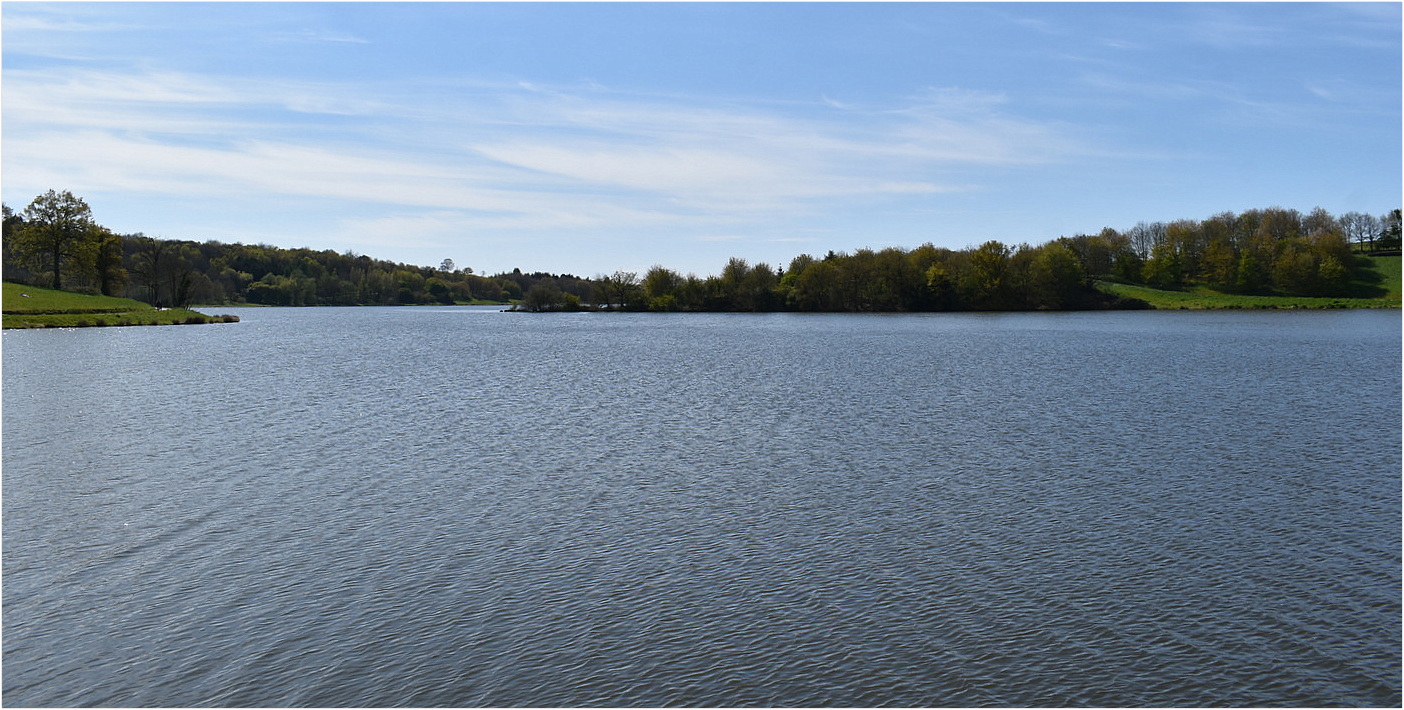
35,307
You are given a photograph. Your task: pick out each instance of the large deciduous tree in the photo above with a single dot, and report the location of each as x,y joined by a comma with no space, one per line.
57,226
1056,277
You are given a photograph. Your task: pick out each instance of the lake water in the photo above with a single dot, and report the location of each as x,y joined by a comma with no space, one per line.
460,507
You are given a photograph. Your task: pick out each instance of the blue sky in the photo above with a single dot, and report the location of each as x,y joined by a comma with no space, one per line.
585,138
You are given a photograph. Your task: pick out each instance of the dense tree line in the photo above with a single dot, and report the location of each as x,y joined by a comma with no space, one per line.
1274,250
55,242
1269,251
928,278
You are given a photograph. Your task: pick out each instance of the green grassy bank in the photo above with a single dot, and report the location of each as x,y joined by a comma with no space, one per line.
33,307
1376,286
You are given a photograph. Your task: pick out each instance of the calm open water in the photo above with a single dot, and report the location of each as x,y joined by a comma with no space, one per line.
459,507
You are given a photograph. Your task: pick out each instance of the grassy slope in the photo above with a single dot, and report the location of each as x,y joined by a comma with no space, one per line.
1384,274
1378,286
33,307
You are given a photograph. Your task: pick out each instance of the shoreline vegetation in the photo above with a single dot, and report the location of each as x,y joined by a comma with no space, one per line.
37,307
1375,283
1261,258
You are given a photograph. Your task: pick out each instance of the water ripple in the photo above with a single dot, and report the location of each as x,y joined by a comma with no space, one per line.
657,511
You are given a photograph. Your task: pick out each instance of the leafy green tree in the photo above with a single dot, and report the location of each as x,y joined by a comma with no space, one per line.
543,295
1295,269
661,286
940,286
1220,264
1056,278
438,290
895,284
816,287
1093,253
1250,276
1164,269
1332,276
757,290
14,264
787,290
1187,241
12,220
511,291
409,286
726,292
982,284
56,226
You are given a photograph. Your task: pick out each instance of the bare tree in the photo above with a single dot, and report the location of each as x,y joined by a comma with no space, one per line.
1144,237
1359,227
622,288
1320,222
149,267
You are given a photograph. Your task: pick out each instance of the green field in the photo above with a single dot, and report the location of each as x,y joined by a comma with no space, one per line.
1377,286
33,307
1383,273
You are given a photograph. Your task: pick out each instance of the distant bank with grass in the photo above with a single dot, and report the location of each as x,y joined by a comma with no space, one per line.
34,307
1376,286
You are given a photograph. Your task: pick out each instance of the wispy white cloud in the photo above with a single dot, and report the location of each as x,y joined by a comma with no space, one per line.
420,126
319,35
461,167
21,21
539,152
1122,44
148,96
1225,28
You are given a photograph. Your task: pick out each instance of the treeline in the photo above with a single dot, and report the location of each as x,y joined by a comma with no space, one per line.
927,278
55,242
1268,251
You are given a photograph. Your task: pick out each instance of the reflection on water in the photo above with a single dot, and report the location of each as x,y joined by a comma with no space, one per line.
453,506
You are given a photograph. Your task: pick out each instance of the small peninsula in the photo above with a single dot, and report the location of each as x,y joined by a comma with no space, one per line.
34,307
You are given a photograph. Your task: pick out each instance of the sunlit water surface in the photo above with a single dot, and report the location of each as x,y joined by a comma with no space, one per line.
460,507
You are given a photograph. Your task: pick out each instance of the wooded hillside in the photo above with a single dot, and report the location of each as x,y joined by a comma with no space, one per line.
56,243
